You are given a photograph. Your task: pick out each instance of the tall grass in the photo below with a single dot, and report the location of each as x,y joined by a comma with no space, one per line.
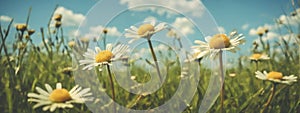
27,65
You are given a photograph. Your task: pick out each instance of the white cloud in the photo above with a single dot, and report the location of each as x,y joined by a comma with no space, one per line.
245,26
74,33
269,36
253,32
221,29
183,25
69,18
95,31
289,20
150,18
193,7
5,18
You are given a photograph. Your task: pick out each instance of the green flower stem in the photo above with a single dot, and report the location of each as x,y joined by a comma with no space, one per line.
104,41
45,44
256,65
180,44
154,58
222,81
112,87
262,42
266,105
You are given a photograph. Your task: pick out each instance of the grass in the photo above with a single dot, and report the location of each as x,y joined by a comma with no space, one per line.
27,65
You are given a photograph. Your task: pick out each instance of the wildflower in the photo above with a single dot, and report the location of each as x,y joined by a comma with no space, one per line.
27,37
144,31
85,39
105,31
21,27
57,24
258,57
103,57
59,97
276,77
266,30
260,31
172,33
71,44
30,31
57,17
22,45
217,43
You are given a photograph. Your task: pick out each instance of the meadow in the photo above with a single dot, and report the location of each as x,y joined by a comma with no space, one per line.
26,65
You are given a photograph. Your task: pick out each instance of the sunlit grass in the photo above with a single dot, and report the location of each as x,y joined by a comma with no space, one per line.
27,65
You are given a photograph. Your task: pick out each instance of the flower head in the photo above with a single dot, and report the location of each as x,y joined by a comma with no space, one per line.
172,33
258,57
144,31
21,27
103,57
85,39
59,97
276,77
260,31
105,31
57,17
71,44
217,43
30,31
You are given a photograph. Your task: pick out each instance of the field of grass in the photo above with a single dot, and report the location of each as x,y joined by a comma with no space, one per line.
27,65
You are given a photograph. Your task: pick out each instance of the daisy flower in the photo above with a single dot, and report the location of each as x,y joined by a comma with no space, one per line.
21,27
172,33
144,31
59,97
217,43
276,77
258,57
103,57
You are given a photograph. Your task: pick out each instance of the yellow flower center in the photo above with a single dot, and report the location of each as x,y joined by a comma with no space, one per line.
274,75
72,44
103,56
60,95
58,17
145,28
219,41
21,27
256,56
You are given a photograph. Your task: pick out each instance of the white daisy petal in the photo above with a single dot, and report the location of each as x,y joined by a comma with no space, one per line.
33,95
49,88
133,28
41,91
73,89
160,27
58,86
41,104
98,49
153,23
53,107
45,108
109,47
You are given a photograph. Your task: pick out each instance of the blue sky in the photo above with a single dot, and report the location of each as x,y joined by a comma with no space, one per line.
243,15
